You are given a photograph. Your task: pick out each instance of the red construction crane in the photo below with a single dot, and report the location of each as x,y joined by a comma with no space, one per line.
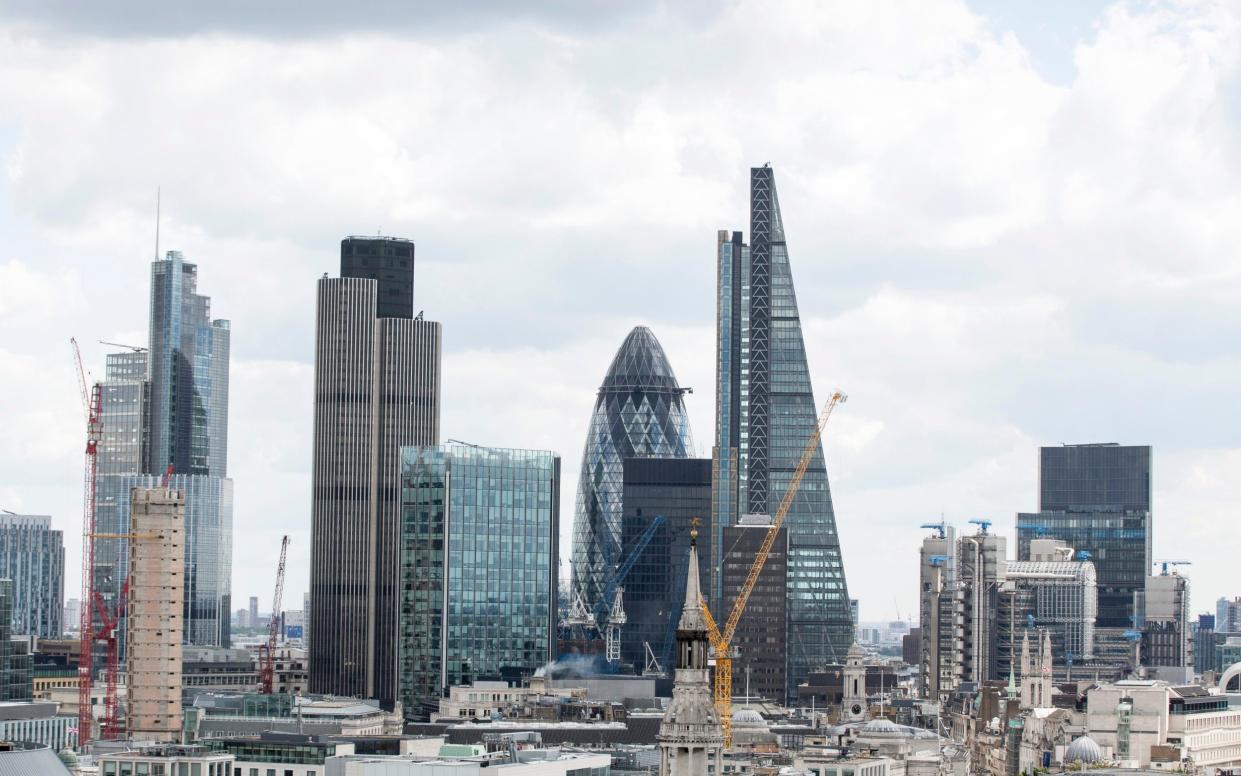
108,633
267,666
92,401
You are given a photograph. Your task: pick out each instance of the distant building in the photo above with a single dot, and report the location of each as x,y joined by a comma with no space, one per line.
217,669
1097,498
639,412
1163,618
489,520
252,621
156,603
32,554
377,388
1204,645
760,665
290,754
1057,596
939,672
679,491
72,618
216,715
981,569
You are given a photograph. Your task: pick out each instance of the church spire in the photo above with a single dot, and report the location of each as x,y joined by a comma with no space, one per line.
691,739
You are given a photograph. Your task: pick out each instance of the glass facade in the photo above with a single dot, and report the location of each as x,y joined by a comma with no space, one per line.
15,662
169,405
679,490
32,555
1097,498
639,412
390,262
764,416
478,554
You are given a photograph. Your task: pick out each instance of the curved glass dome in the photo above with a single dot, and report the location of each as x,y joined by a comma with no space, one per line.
639,413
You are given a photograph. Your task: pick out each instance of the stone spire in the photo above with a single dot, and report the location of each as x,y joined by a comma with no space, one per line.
690,736
1027,673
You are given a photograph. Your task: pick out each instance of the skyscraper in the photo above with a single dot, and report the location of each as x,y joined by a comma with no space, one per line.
479,531
678,490
167,405
377,389
762,654
33,556
639,413
1097,498
765,413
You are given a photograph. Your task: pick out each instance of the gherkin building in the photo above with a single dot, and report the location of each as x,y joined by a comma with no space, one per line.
639,413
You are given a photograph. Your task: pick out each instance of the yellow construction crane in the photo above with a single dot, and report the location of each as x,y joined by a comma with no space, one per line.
721,642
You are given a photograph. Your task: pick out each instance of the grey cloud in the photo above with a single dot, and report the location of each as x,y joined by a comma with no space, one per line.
283,19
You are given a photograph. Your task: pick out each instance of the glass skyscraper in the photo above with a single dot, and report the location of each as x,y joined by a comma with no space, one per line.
1097,498
765,412
639,412
32,555
168,405
478,558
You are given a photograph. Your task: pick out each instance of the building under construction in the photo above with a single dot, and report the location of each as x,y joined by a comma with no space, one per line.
156,598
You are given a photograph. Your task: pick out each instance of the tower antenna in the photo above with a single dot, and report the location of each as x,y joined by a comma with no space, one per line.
157,197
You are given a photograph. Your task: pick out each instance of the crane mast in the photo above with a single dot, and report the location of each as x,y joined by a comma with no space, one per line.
92,403
267,671
721,640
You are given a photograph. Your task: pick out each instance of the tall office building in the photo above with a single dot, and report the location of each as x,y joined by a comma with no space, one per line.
167,405
155,607
478,549
937,596
678,490
1204,644
765,413
1097,498
639,413
762,654
252,617
982,569
32,554
1056,594
377,389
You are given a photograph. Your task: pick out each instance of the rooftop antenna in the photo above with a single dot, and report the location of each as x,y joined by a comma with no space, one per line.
157,198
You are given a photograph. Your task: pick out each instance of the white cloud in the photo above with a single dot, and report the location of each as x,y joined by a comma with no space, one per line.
985,261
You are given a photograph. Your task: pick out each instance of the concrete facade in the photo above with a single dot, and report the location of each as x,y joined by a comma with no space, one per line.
156,601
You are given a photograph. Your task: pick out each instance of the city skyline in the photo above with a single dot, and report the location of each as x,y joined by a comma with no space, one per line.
982,284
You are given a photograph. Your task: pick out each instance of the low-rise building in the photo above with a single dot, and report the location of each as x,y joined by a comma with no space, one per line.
289,754
1142,724
167,759
38,722
23,757
528,762
216,715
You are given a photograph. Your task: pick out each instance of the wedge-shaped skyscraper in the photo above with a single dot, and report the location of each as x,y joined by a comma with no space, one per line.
765,411
639,413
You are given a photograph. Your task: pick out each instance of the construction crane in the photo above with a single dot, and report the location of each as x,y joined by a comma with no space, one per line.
267,669
1164,564
982,524
107,633
940,528
721,640
614,593
92,403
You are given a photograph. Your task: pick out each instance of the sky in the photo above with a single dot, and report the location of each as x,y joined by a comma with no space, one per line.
1010,225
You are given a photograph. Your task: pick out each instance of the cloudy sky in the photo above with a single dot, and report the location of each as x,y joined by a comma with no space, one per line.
1011,224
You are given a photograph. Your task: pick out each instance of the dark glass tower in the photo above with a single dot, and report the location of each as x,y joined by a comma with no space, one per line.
1097,498
377,387
765,413
389,261
679,491
639,413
